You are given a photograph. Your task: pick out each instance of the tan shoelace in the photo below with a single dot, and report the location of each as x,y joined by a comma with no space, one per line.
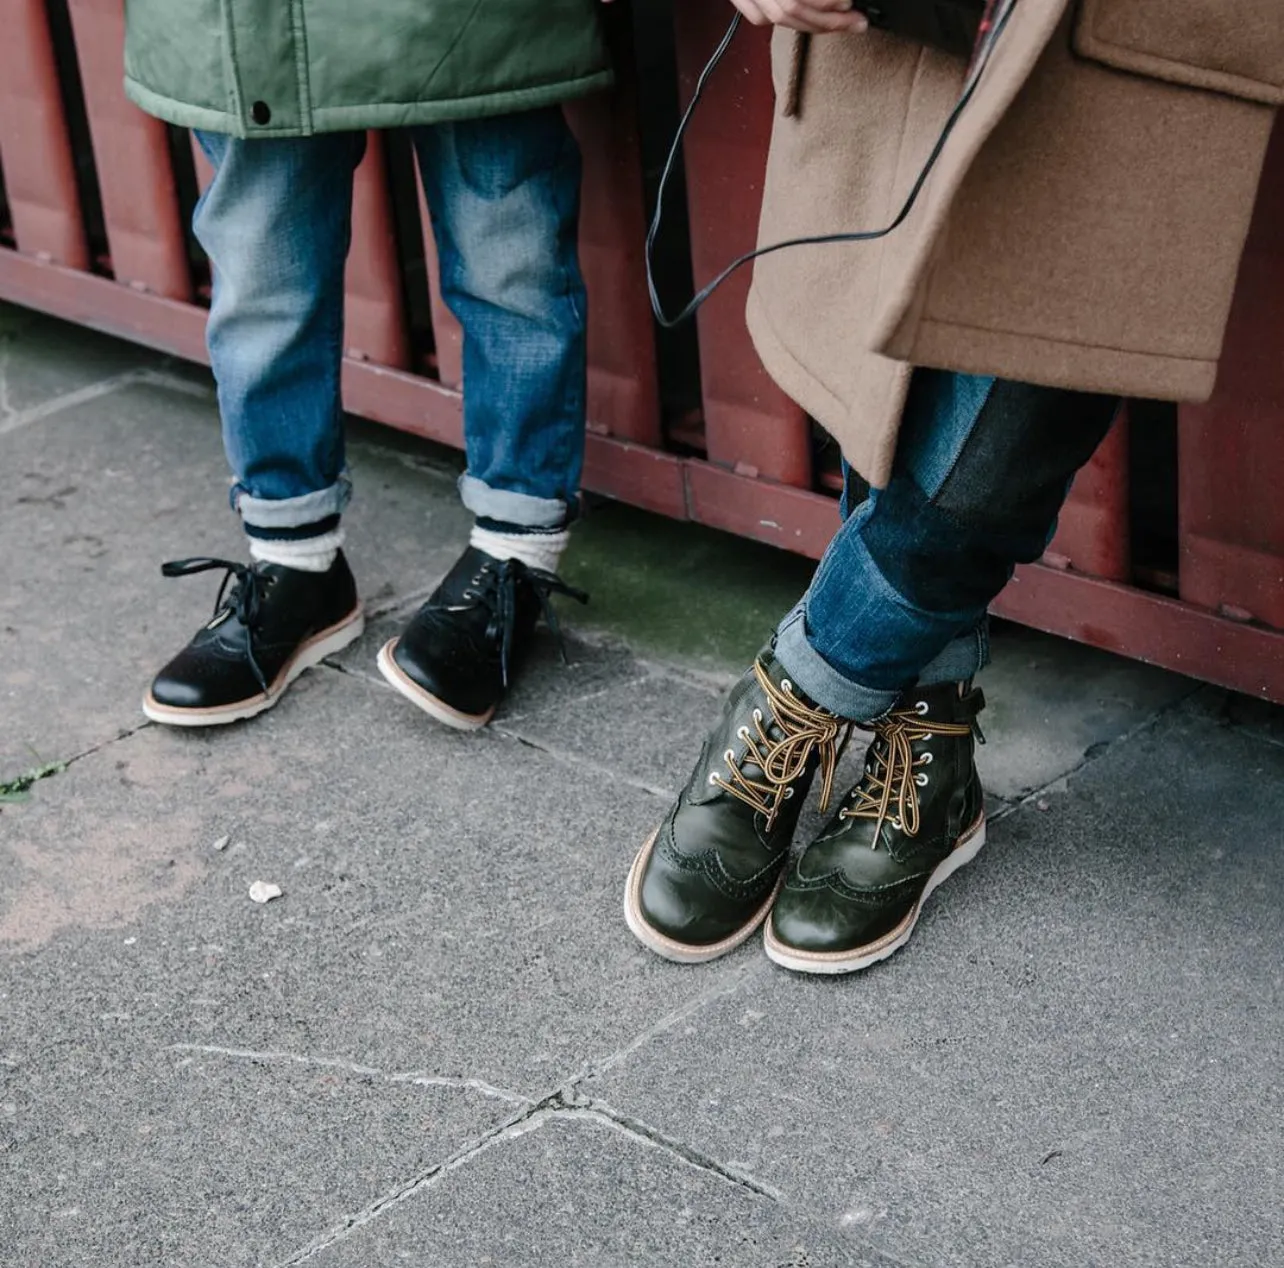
805,730
893,773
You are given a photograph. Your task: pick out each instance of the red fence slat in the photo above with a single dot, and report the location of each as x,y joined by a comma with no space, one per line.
1228,627
132,159
1094,532
448,336
35,148
749,422
375,320
623,390
1231,451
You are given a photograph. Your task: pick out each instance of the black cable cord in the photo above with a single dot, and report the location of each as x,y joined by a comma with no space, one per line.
870,235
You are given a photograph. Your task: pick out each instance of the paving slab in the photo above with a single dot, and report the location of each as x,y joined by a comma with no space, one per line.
685,593
1255,717
41,359
576,1190
117,1153
91,500
649,725
94,498
451,901
1051,704
406,524
441,1045
1078,1058
543,683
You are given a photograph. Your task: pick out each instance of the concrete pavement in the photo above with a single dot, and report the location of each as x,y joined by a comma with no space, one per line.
442,1047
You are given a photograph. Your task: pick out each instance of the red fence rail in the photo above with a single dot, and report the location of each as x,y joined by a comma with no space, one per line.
1207,600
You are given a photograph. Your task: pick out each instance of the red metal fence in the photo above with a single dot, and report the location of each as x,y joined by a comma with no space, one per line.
1171,548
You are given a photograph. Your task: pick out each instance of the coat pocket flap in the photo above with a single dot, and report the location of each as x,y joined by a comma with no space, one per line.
1236,48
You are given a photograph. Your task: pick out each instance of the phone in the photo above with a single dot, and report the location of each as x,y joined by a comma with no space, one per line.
952,25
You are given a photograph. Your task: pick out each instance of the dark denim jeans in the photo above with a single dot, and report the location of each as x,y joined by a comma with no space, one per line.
982,468
276,223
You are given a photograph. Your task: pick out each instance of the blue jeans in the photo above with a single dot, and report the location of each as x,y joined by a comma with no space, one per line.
276,223
982,468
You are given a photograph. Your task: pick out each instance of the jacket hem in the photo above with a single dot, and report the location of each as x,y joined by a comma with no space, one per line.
374,115
1059,363
181,113
869,447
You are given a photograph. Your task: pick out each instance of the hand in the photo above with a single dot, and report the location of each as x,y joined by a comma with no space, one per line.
816,17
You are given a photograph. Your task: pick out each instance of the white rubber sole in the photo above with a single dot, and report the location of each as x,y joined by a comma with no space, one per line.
313,652
670,948
425,700
831,962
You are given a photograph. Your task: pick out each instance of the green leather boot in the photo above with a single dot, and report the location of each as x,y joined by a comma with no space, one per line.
916,816
707,877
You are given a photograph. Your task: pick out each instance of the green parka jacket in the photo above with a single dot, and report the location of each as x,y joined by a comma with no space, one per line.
295,67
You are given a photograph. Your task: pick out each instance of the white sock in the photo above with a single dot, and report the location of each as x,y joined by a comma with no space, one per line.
311,554
536,549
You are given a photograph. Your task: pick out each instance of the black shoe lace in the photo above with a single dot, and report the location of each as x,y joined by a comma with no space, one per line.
245,600
497,585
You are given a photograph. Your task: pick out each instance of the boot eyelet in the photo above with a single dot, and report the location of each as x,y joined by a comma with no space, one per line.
921,709
757,715
743,733
729,757
789,792
896,823
713,780
926,759
786,685
921,780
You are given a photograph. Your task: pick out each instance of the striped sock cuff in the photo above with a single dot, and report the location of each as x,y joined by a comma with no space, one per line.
309,554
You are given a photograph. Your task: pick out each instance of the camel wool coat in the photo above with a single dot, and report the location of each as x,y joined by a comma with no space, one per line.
1083,227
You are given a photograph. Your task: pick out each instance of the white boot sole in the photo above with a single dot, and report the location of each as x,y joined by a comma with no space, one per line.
313,652
425,700
669,948
832,962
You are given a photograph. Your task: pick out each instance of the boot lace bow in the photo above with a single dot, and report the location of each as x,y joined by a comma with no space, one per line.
804,731
893,775
244,600
497,586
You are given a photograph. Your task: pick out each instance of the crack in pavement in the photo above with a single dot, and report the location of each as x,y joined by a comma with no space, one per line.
497,730
566,1102
59,766
511,1127
566,758
12,420
1094,754
419,1078
559,1105
575,1105
69,400
696,1004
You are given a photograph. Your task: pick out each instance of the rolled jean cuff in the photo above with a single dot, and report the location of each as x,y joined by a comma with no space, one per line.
808,669
296,512
507,507
963,658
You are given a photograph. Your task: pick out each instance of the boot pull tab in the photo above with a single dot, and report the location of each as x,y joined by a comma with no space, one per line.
971,702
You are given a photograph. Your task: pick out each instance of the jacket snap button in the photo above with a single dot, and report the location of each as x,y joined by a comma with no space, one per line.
260,113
